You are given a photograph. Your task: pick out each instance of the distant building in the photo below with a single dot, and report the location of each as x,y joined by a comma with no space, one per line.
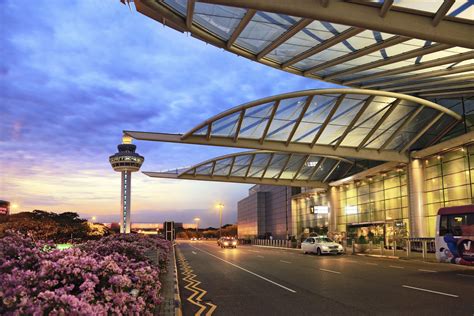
266,212
4,208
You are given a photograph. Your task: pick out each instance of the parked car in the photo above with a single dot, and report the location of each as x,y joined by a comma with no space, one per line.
321,245
227,242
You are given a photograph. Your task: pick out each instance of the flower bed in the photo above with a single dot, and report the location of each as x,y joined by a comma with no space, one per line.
108,276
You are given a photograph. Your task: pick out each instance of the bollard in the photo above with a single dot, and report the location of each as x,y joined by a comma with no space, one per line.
408,247
394,245
370,246
353,246
424,249
381,248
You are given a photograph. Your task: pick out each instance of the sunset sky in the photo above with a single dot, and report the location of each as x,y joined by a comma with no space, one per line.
74,74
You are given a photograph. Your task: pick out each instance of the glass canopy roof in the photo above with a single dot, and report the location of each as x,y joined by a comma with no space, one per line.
361,119
267,167
342,53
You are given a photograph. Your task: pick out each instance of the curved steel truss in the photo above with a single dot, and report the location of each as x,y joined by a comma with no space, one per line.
364,124
267,167
361,44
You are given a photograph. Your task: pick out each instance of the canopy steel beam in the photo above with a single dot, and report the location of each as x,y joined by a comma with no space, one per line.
303,162
397,21
429,64
469,92
323,46
428,74
354,120
190,13
250,166
284,37
239,125
441,13
308,101
270,120
315,169
267,165
358,53
231,166
435,82
328,119
401,127
240,27
421,132
285,165
444,146
387,113
302,148
233,179
442,88
387,4
331,172
393,59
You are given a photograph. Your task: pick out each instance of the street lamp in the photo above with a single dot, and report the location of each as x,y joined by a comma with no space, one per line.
93,218
220,206
197,219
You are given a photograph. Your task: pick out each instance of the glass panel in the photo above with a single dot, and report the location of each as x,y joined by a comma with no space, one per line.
222,167
263,29
218,19
259,164
293,166
225,126
255,120
241,165
204,170
285,118
276,165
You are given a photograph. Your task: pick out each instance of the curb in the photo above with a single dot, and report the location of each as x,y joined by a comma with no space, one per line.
177,298
377,256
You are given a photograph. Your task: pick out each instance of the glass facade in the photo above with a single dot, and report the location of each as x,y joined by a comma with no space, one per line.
307,216
376,207
448,182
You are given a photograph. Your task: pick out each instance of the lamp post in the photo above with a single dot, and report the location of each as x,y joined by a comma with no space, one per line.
197,219
93,219
220,206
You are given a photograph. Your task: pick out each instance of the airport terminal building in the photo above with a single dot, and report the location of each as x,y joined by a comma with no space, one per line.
379,152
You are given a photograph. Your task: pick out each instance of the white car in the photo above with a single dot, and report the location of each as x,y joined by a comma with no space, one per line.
321,245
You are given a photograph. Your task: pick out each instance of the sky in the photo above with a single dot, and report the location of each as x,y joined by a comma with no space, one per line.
75,74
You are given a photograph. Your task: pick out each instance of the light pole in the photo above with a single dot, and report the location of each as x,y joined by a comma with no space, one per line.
93,219
197,219
220,206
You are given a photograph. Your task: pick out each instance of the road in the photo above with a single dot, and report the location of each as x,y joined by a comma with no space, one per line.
253,280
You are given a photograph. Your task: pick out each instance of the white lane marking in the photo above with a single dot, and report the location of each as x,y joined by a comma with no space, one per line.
248,271
397,267
260,256
284,261
430,291
423,270
353,261
194,252
254,250
372,264
336,272
467,275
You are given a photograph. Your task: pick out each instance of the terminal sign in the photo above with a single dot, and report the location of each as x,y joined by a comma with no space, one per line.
319,209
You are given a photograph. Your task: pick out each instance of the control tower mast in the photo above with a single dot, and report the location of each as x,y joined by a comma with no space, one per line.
126,161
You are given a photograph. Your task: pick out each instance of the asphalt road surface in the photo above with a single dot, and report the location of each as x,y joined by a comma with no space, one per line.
251,280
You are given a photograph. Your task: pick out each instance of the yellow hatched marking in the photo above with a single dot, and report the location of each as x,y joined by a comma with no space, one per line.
192,285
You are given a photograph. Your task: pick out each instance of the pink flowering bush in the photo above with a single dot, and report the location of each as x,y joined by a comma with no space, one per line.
39,280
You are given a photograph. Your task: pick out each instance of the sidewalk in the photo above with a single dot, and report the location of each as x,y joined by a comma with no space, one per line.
171,304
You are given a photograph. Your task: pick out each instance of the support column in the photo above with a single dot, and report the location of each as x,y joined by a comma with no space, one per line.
334,207
125,202
416,199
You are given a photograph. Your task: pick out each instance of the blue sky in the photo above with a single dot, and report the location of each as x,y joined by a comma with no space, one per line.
74,74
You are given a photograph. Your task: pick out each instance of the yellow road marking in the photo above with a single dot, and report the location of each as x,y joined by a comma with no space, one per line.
192,285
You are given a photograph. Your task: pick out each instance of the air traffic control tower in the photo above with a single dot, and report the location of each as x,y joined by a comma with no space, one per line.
126,161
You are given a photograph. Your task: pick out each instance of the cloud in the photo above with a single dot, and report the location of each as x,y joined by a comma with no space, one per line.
74,74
